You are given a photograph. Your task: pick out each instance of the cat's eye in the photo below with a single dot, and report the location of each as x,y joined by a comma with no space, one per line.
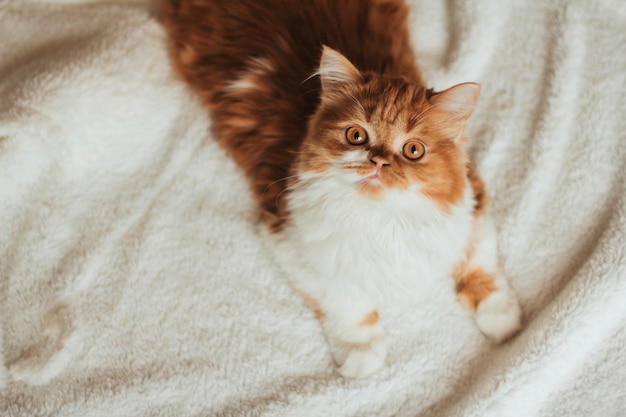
414,150
356,135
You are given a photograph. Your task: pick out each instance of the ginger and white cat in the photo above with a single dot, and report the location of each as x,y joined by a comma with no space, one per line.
359,169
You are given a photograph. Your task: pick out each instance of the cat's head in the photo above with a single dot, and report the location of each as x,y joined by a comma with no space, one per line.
378,133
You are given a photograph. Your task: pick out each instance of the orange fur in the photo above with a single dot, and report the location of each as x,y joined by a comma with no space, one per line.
314,305
251,62
370,320
480,193
215,43
407,112
474,286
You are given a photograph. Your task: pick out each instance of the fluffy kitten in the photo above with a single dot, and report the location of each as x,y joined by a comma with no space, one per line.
359,169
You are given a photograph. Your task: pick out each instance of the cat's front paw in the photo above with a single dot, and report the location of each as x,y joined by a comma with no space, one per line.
365,359
499,316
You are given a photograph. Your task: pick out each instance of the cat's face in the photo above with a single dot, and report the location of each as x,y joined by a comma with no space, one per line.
378,134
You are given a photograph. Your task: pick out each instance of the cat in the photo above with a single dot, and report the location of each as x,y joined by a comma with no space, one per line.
359,169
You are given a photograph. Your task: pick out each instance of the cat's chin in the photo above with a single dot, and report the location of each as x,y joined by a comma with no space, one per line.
372,187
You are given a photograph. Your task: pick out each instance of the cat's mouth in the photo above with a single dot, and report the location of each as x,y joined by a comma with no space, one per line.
373,179
366,175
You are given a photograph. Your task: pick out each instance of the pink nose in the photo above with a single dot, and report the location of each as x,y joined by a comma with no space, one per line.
379,161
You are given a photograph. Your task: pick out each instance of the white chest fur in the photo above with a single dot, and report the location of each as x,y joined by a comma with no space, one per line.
390,249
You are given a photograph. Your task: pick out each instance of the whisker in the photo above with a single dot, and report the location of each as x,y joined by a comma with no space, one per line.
290,188
358,103
420,117
277,181
315,74
312,90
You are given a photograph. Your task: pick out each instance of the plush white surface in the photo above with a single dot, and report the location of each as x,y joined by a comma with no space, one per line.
133,282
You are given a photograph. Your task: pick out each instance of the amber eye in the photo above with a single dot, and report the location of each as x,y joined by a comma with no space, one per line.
356,135
414,150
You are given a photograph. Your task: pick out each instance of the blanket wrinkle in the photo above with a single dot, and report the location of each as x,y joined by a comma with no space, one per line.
133,279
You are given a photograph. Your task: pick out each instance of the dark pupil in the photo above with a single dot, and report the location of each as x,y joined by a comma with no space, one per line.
357,136
414,150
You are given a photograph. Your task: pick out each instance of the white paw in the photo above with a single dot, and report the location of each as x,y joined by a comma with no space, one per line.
364,360
499,316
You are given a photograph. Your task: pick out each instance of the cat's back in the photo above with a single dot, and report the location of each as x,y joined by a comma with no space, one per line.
214,42
251,62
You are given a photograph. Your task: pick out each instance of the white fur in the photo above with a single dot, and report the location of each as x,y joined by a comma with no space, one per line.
245,83
499,316
390,248
335,69
251,78
354,255
485,253
364,360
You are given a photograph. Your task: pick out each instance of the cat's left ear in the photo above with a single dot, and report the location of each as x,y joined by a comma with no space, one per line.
336,71
458,103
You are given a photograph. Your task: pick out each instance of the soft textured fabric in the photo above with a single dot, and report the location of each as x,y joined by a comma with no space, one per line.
133,281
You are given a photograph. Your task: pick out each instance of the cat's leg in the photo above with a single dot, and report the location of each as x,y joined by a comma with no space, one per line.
480,285
349,317
353,329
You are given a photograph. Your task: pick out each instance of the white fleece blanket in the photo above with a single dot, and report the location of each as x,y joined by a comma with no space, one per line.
133,282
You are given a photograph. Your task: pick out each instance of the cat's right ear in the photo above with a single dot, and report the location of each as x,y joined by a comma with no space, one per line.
336,71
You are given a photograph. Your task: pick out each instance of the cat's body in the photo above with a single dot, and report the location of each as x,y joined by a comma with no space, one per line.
359,171
251,60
